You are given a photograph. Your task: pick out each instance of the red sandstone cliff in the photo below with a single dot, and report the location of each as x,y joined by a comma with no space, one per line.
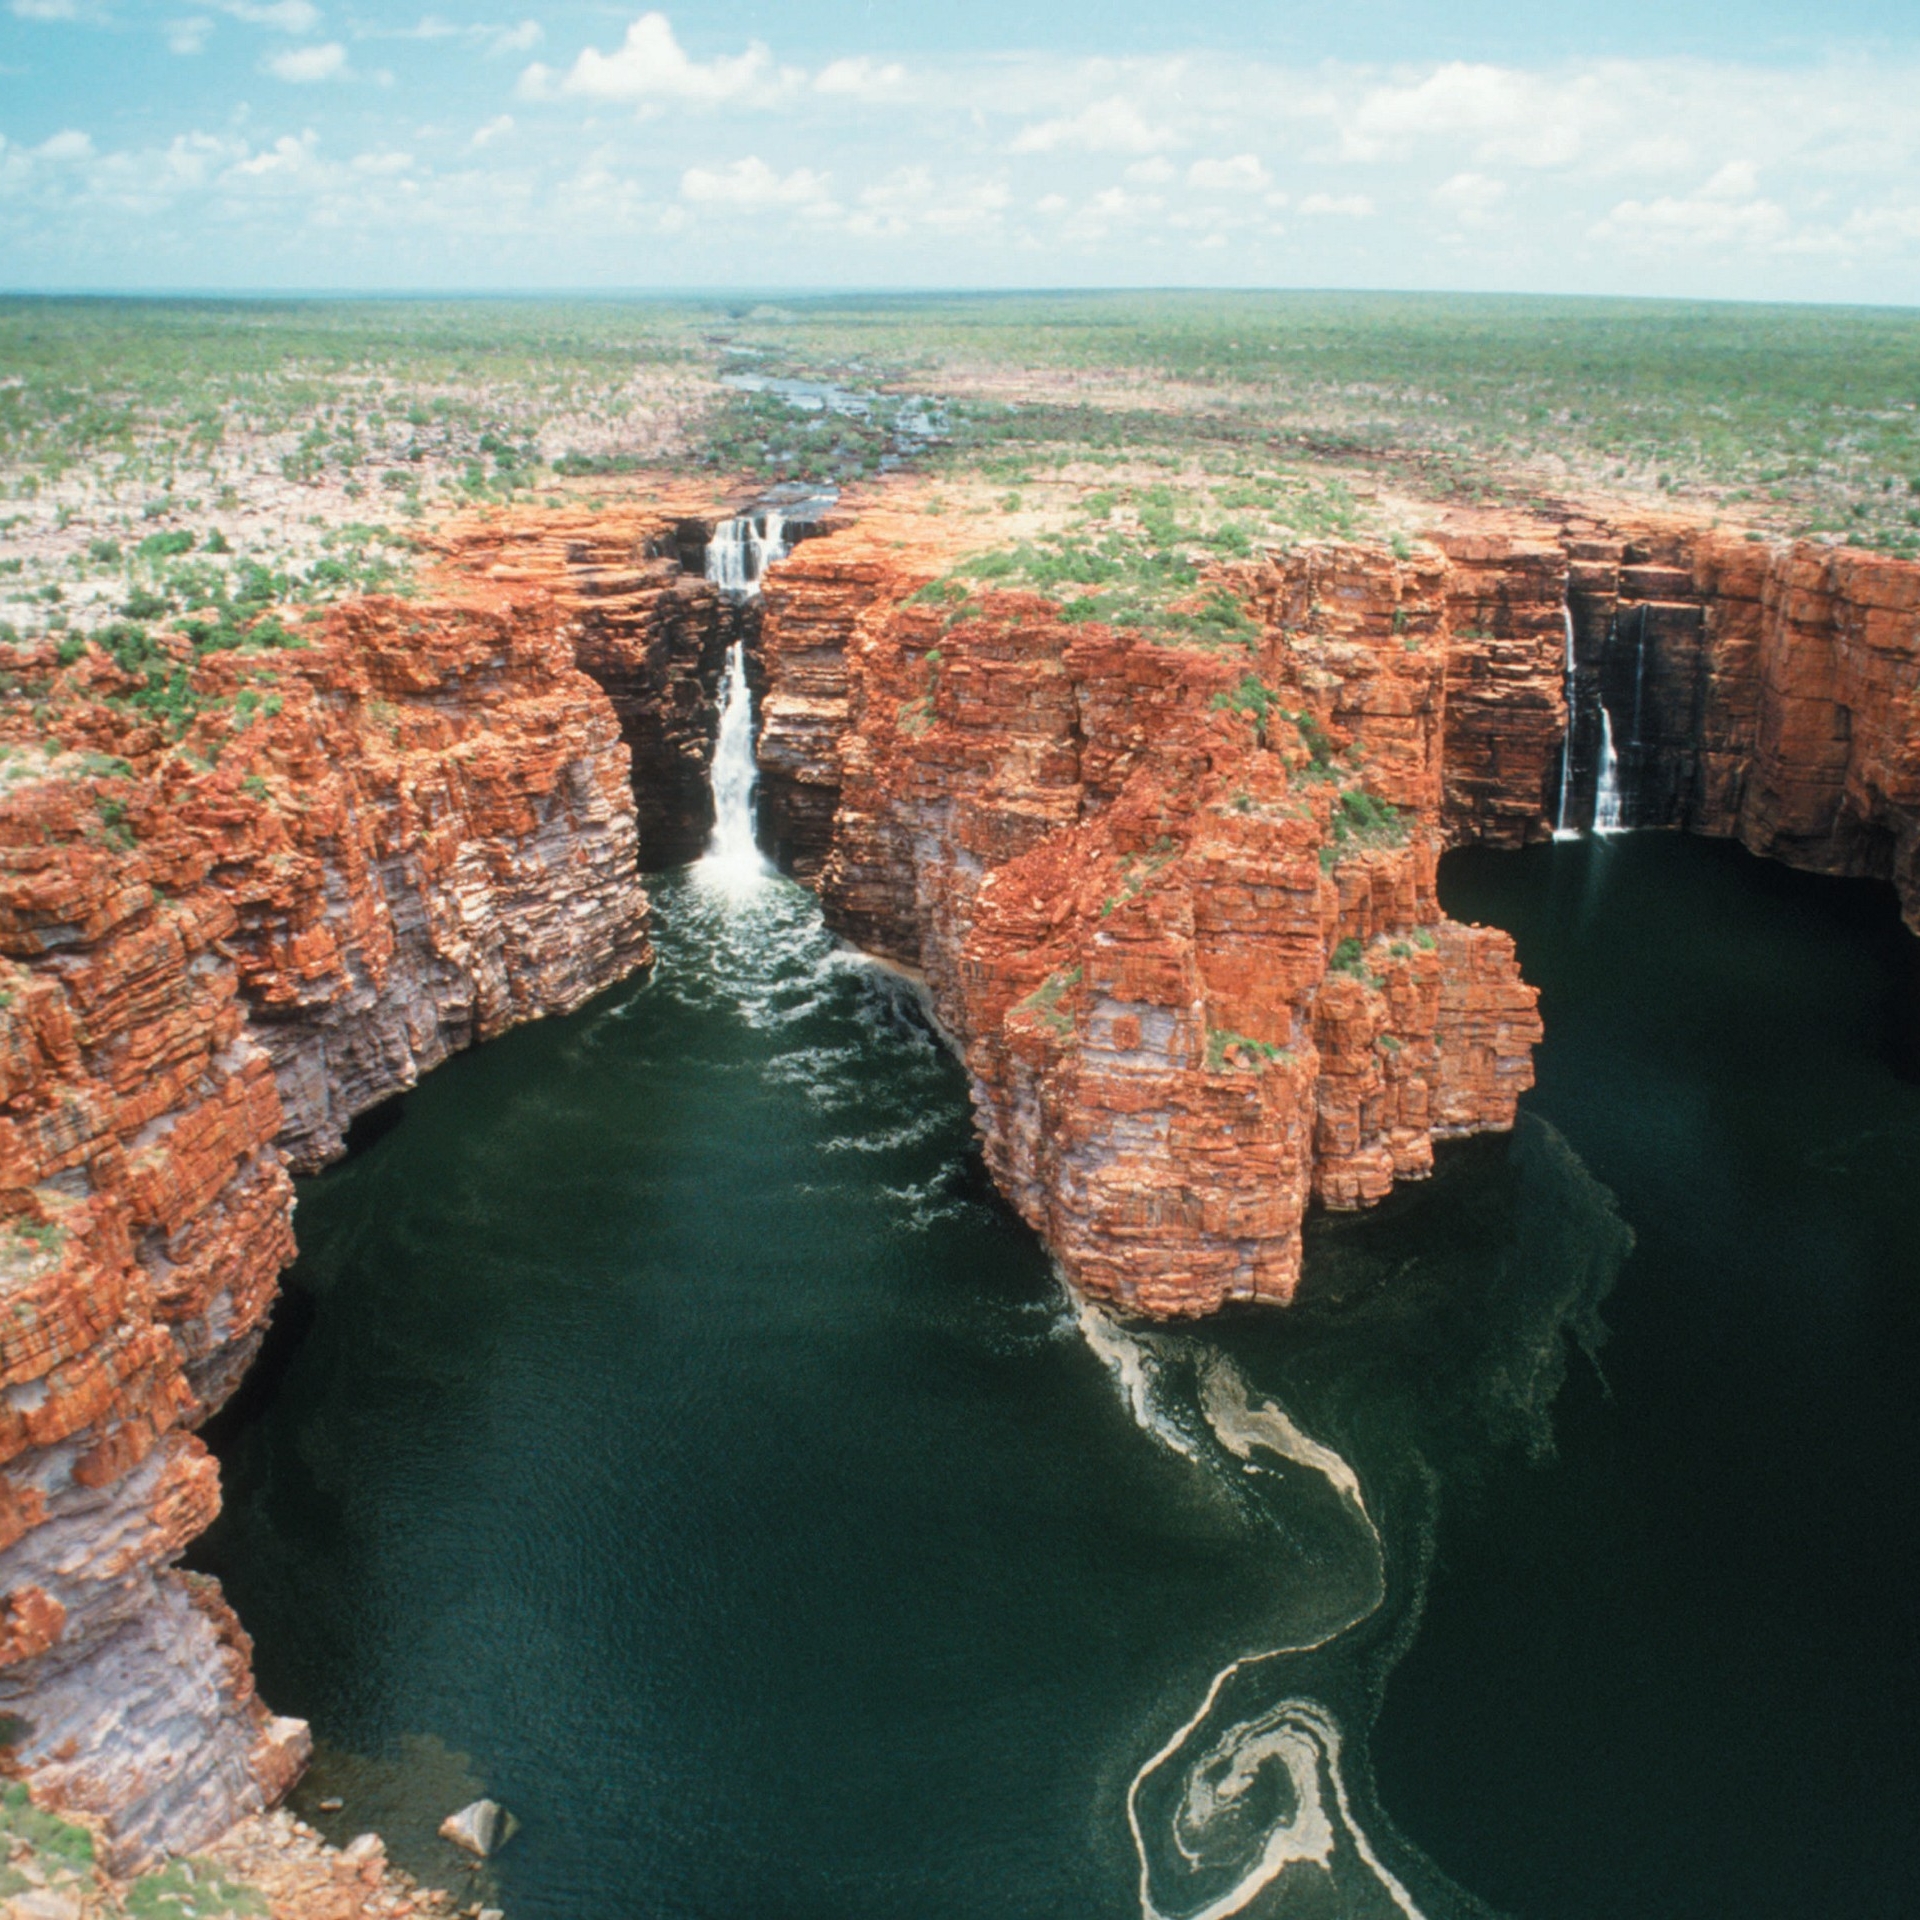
359,855
1199,972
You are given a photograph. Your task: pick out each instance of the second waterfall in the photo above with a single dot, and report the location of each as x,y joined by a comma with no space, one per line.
737,556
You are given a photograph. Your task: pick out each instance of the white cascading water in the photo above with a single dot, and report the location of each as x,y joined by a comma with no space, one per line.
1607,816
738,555
743,548
1561,830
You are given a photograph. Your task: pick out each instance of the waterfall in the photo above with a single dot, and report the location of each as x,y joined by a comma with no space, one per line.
743,548
1606,802
738,555
732,855
1561,830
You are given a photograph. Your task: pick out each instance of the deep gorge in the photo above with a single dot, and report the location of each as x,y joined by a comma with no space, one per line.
1105,858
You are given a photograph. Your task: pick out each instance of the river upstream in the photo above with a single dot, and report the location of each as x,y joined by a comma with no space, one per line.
669,1433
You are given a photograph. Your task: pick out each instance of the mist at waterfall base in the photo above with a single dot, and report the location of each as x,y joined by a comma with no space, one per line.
668,1432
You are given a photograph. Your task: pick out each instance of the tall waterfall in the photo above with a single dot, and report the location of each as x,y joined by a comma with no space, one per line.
1607,813
738,554
1561,830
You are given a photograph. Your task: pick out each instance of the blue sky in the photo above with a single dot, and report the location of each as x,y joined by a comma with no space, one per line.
1731,151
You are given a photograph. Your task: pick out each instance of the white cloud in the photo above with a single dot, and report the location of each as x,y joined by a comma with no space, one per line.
521,39
287,156
861,79
909,198
1881,226
751,183
1347,206
1726,213
1151,173
1115,125
284,16
496,129
1244,173
68,145
1509,114
383,164
302,66
1470,197
650,64
46,9
188,36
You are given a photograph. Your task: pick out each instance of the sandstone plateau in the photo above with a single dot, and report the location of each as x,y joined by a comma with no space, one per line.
1175,904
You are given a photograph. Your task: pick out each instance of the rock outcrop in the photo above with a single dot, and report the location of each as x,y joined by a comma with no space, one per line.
645,626
242,898
1176,904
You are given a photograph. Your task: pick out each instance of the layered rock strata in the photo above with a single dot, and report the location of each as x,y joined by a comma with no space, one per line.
646,627
241,899
1759,691
1177,904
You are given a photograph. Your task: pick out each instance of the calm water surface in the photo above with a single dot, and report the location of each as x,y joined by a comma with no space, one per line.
670,1434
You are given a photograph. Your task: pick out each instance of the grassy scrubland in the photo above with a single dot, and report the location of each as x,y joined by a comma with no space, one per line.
163,457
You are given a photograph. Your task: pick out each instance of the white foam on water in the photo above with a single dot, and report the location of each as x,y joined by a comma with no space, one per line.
1241,1426
1208,1832
1125,1357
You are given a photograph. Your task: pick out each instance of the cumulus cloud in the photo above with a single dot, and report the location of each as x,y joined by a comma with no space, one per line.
188,36
651,65
521,39
1508,113
496,129
46,9
910,199
1727,212
71,144
1244,173
751,183
1113,125
286,157
303,66
861,79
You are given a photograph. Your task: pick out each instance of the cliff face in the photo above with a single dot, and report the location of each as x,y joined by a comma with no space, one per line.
646,628
1178,905
367,851
1198,975
1771,695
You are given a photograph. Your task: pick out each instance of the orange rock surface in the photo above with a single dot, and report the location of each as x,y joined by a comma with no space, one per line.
1199,973
360,854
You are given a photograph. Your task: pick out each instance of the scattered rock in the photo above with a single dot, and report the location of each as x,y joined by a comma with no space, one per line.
479,1828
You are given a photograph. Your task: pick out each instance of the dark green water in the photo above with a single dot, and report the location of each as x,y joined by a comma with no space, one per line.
669,1434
